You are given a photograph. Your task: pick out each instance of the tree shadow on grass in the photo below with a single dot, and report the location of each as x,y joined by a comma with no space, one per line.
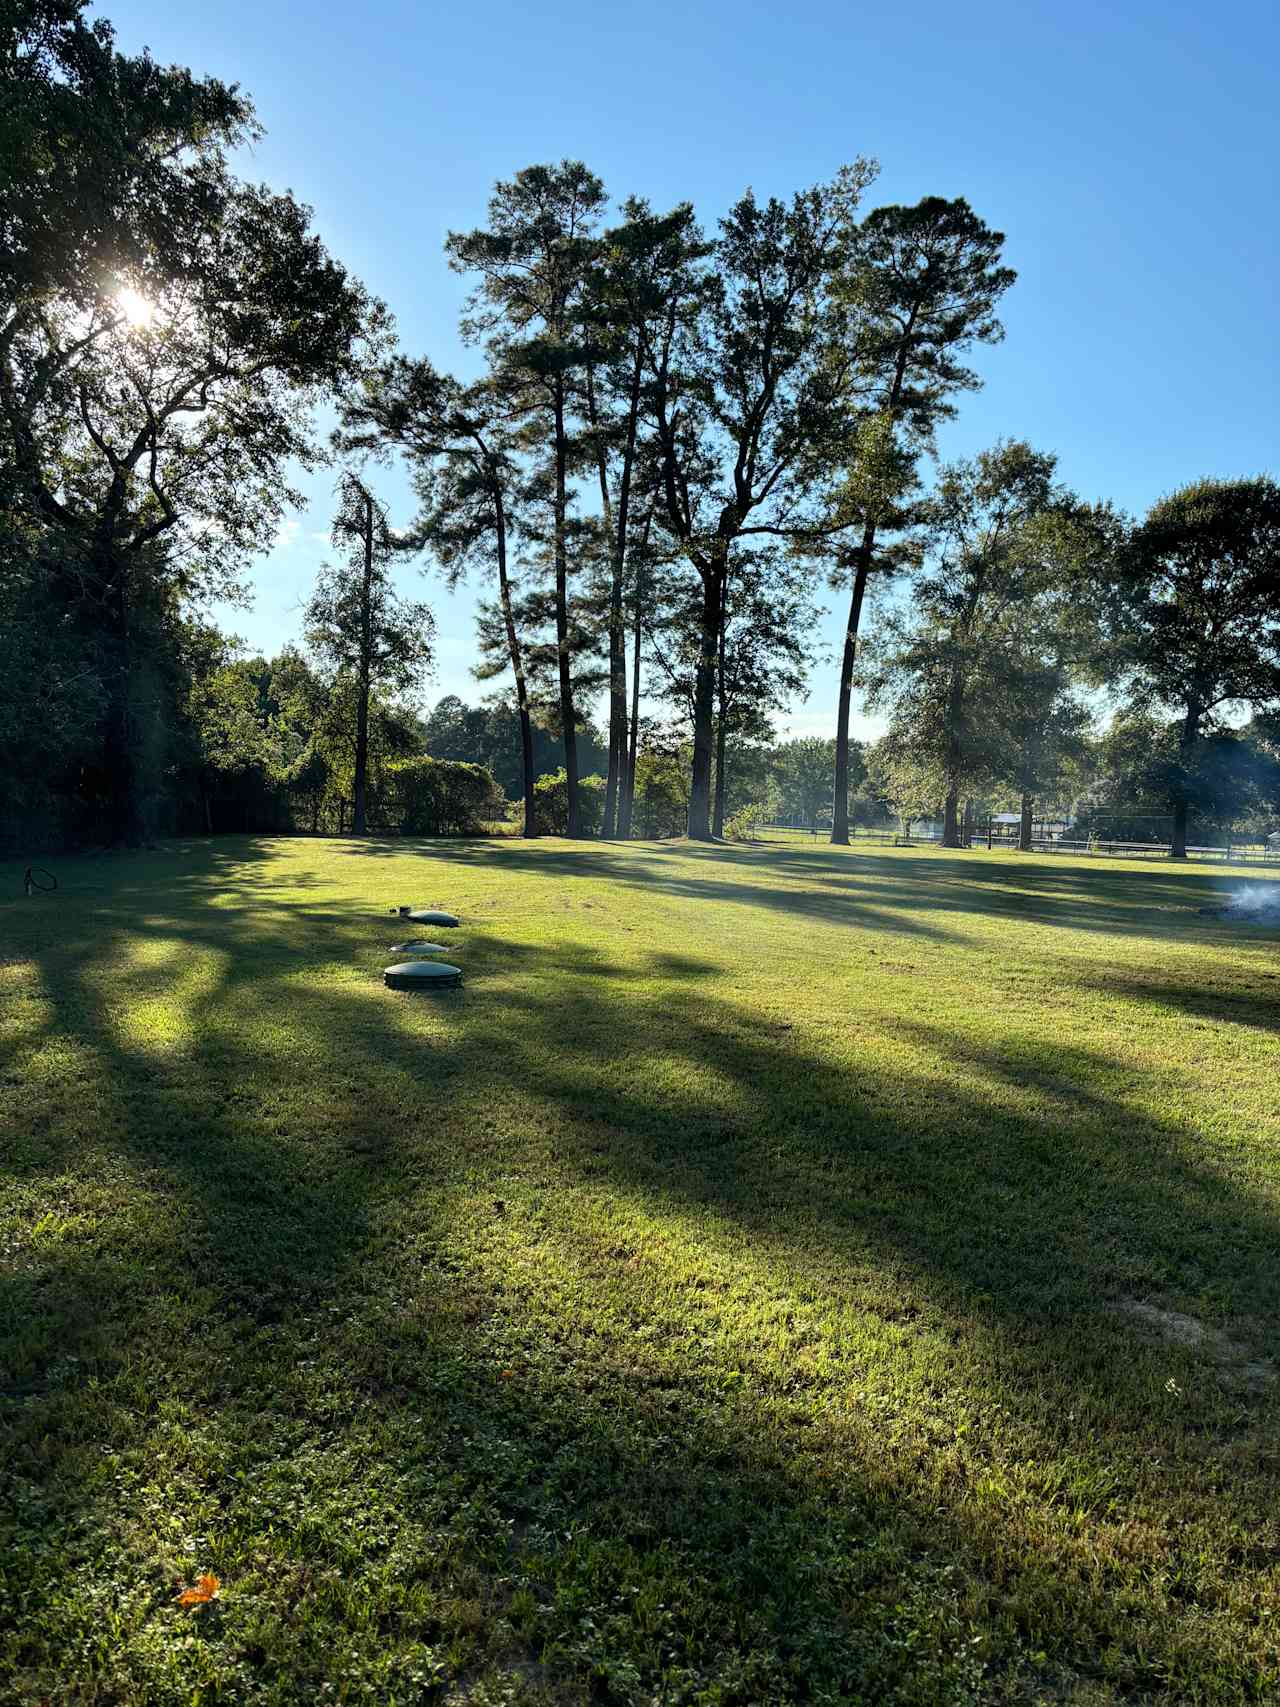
924,894
1250,998
760,1484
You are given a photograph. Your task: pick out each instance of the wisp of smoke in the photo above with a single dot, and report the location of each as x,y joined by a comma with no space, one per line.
1254,898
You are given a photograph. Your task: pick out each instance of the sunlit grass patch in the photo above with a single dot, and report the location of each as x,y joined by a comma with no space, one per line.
741,1289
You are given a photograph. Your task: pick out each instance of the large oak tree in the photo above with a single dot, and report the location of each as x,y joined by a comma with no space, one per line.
164,337
1197,622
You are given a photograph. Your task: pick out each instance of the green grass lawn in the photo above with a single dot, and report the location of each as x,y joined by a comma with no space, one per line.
778,1274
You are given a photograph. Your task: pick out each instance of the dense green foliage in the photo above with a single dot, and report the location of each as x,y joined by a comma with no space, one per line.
674,436
1198,623
439,797
489,735
164,331
924,283
551,804
359,625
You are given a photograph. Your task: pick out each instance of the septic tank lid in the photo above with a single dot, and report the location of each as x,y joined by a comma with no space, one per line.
422,975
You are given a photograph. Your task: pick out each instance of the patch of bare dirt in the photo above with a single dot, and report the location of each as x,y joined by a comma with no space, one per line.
1175,1328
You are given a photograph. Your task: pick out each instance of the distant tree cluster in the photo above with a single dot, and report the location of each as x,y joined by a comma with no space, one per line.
1030,602
275,744
675,439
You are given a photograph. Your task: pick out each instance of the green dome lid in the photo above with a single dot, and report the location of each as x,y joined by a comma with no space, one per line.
427,916
418,948
422,975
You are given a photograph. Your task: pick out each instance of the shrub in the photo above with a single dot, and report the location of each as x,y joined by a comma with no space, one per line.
551,804
439,797
662,795
746,821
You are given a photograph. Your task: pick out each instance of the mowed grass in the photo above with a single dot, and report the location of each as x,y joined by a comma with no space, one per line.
778,1274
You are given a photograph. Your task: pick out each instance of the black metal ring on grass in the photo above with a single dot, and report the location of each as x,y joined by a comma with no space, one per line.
31,880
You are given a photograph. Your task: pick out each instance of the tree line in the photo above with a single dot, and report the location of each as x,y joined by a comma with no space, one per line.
676,435
676,439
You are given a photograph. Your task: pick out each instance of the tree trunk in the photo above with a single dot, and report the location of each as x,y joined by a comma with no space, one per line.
704,703
516,655
951,819
626,812
1024,825
526,768
1181,810
568,719
717,817
1178,849
627,805
840,787
124,814
615,780
359,785
966,828
955,755
609,821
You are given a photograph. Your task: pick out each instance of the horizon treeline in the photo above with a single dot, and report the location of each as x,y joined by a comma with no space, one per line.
679,435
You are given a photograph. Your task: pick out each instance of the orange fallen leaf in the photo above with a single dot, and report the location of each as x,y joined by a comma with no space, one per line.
206,1589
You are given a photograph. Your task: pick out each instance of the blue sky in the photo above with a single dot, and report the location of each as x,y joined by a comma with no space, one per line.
1129,151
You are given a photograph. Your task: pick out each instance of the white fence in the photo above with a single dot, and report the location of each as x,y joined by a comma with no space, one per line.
1253,853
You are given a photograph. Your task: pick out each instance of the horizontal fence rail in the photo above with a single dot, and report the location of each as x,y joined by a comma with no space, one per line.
1231,853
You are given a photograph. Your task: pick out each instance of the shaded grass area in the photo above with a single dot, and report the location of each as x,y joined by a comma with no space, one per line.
724,1297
